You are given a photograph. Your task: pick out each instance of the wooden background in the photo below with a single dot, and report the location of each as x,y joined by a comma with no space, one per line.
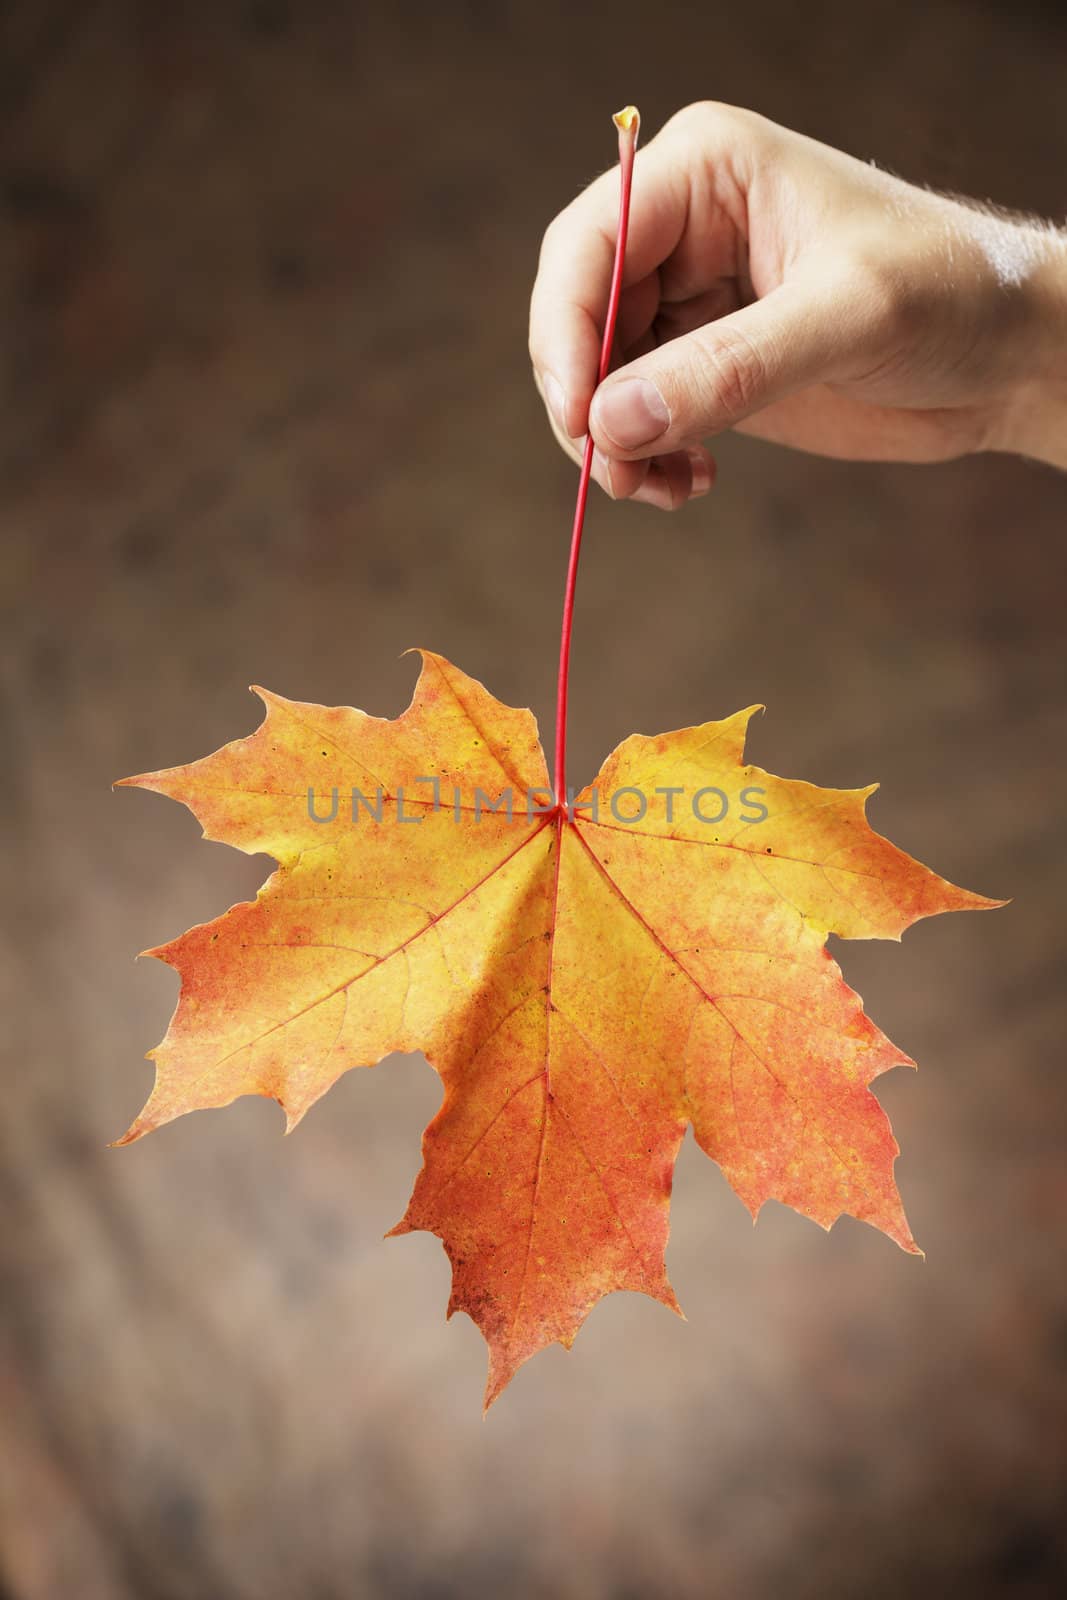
266,416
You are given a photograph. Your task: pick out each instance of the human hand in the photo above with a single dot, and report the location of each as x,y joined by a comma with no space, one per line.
780,287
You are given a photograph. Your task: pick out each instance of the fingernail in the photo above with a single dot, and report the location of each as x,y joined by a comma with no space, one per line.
557,400
654,494
631,412
701,473
603,470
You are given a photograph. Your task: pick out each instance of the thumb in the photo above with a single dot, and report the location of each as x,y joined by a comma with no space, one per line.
707,380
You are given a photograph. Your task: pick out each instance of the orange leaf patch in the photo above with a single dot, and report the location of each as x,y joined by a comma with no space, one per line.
586,983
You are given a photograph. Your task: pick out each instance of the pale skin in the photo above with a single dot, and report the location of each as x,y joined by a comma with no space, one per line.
779,287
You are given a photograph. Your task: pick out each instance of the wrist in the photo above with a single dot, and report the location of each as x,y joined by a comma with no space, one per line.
1033,419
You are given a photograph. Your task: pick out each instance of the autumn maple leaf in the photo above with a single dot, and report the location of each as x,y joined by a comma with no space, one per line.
586,980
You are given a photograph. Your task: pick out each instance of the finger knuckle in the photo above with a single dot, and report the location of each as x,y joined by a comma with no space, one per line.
550,239
712,119
893,297
736,373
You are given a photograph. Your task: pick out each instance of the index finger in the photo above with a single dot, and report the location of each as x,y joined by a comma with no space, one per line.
570,294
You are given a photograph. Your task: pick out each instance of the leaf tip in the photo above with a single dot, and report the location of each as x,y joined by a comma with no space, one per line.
494,1389
894,1224
136,1130
425,655
158,952
901,1237
742,720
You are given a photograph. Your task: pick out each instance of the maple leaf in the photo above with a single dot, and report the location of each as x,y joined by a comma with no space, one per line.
586,983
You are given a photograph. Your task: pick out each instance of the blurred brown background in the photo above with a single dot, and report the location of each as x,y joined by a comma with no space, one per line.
266,416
